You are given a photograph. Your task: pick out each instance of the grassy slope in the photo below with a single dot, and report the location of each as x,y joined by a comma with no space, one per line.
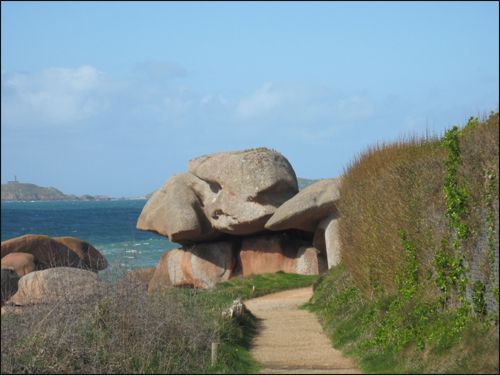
418,260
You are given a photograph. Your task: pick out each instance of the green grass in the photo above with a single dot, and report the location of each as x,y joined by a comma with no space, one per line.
414,338
264,284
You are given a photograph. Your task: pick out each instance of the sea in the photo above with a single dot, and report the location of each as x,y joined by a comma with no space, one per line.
109,226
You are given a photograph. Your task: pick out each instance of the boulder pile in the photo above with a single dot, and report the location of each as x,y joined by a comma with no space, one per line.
25,259
241,213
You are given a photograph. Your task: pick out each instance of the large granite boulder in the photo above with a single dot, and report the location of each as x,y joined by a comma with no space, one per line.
199,266
279,252
48,251
232,193
248,187
306,209
9,283
60,284
89,255
176,211
23,263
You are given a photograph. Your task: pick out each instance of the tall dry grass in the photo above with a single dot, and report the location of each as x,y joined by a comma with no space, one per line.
118,329
397,186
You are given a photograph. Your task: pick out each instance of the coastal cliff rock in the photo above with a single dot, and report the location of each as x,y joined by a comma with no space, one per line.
23,263
306,209
232,192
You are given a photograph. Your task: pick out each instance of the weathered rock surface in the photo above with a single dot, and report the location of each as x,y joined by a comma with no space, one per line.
57,284
199,266
160,279
279,252
331,238
248,187
140,277
49,252
9,283
268,254
310,261
305,210
175,211
232,192
89,255
23,263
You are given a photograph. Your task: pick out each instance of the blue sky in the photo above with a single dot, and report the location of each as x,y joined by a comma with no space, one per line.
114,98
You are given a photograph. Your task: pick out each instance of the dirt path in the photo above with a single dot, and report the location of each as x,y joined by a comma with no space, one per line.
291,341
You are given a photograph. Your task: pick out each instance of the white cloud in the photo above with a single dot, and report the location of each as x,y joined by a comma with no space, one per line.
56,96
303,103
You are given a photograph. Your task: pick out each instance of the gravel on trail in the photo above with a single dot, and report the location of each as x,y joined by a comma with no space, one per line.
291,341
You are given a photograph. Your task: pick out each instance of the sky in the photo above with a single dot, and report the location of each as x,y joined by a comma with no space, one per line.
113,98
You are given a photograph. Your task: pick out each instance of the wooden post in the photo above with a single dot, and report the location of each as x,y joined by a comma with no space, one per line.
214,352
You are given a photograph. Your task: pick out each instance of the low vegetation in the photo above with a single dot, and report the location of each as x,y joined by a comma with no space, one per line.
129,330
417,291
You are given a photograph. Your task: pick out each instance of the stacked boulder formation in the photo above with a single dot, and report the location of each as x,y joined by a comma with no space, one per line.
240,213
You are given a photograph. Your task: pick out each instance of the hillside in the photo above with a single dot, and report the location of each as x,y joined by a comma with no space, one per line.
17,191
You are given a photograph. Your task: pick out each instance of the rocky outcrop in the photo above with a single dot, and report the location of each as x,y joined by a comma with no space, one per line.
56,252
49,252
22,263
223,193
89,255
306,209
218,211
57,284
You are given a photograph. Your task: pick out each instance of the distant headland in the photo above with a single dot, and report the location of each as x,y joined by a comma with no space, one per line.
15,191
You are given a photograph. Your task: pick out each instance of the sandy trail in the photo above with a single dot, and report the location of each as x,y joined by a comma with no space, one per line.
291,341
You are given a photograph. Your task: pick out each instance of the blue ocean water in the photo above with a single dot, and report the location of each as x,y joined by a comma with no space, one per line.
109,226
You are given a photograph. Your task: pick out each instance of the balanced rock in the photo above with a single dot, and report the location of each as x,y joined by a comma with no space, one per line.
57,284
233,192
305,210
199,266
89,255
23,263
48,251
